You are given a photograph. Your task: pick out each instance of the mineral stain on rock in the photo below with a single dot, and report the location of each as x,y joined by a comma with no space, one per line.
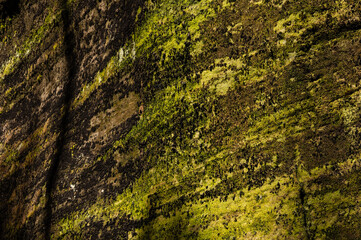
192,119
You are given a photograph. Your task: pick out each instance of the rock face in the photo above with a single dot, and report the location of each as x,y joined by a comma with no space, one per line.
193,119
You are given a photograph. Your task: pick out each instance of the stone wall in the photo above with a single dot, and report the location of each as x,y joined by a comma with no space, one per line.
193,119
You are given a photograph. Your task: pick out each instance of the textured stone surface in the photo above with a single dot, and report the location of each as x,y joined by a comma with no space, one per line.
193,119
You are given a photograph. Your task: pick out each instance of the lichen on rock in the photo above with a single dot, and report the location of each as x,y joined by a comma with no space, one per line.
193,119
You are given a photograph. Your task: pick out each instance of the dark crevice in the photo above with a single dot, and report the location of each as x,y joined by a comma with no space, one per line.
302,195
9,8
67,96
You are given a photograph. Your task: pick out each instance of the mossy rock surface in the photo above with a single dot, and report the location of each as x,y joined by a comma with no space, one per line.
193,119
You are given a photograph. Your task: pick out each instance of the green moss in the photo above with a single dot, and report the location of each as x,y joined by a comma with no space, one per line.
124,58
254,214
10,154
223,77
225,142
168,31
5,26
23,51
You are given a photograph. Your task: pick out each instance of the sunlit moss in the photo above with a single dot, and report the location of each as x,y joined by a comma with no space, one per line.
187,166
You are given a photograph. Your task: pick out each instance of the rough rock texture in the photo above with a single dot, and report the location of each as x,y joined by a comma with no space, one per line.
169,119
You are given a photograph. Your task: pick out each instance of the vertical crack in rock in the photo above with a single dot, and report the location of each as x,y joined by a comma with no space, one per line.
232,119
304,211
301,193
67,96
